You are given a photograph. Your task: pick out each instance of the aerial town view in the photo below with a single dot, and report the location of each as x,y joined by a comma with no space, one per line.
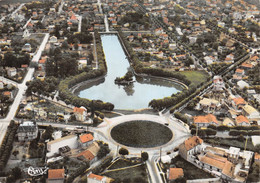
130,91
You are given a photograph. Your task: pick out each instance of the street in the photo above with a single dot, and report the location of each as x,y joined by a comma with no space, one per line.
21,90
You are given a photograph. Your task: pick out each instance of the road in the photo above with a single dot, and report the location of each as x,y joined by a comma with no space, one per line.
99,6
80,22
5,80
13,13
106,23
61,6
21,90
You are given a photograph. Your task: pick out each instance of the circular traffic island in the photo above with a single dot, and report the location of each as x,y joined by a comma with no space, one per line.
141,134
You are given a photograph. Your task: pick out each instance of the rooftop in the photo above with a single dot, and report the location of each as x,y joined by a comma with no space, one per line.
56,173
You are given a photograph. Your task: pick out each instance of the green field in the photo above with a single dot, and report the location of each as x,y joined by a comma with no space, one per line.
135,174
196,77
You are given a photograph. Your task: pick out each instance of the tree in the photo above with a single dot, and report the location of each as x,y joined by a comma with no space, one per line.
104,150
16,172
144,156
123,151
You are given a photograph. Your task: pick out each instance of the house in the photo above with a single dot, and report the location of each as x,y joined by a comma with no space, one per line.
242,84
239,72
26,33
175,173
54,145
11,71
27,47
229,58
209,60
191,146
90,154
93,178
205,121
257,157
7,94
233,154
73,19
82,63
238,103
242,121
53,39
246,66
86,139
228,122
218,165
56,176
27,131
172,46
250,112
80,113
218,83
208,104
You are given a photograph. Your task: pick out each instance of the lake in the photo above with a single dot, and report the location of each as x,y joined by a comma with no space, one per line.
135,96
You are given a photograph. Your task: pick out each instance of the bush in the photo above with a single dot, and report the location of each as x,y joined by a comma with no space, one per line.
181,117
223,128
123,151
144,156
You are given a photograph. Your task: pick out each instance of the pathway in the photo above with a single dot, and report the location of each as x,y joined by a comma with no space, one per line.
13,13
61,6
80,22
22,89
99,6
9,81
106,23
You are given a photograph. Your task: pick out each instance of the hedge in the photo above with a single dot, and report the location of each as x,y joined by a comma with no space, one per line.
65,85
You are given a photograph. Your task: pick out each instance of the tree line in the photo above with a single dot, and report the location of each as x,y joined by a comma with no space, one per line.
7,144
65,85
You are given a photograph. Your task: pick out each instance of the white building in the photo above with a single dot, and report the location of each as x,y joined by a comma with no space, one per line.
27,131
54,145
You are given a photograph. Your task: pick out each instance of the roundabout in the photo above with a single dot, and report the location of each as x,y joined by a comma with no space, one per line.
141,134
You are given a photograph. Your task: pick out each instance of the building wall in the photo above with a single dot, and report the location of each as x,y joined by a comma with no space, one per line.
54,147
30,136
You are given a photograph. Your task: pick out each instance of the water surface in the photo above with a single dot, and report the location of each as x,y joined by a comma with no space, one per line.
136,96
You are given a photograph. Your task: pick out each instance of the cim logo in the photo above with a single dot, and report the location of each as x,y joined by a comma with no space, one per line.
37,171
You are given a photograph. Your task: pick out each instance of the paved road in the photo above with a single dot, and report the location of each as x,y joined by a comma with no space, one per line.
106,23
80,22
61,6
13,13
99,6
21,90
102,132
5,80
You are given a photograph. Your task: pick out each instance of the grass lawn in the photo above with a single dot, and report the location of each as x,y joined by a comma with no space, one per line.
196,77
123,163
130,175
190,171
141,134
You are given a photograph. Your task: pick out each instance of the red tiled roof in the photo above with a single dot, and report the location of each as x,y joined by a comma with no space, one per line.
78,110
56,173
239,101
192,142
87,155
205,119
96,177
175,173
241,119
86,138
